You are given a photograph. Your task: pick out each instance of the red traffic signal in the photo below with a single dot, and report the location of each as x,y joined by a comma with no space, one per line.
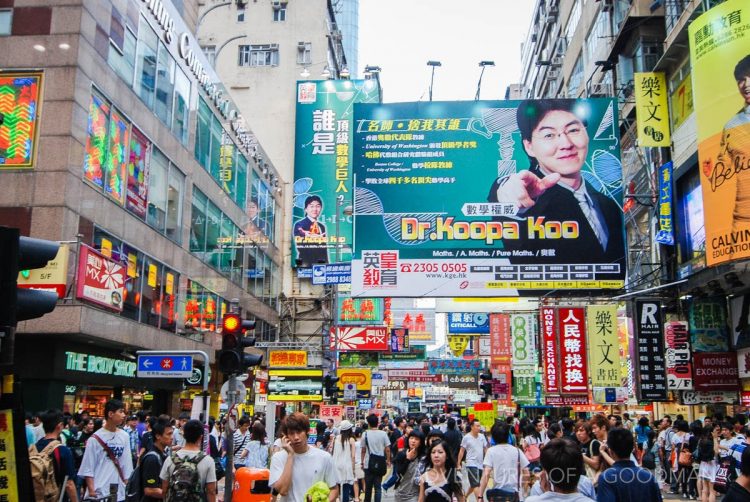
232,358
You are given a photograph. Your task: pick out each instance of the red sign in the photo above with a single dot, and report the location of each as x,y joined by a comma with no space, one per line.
567,400
500,342
715,371
549,350
359,338
745,398
100,280
575,377
414,376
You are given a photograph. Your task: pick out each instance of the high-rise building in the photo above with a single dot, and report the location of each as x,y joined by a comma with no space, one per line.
347,19
120,139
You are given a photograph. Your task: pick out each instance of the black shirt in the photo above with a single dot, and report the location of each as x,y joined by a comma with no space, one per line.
150,469
591,448
737,493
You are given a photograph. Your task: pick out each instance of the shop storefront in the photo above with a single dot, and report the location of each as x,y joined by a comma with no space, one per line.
80,376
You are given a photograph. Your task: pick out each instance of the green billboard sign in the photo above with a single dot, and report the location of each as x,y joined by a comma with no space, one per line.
487,198
322,168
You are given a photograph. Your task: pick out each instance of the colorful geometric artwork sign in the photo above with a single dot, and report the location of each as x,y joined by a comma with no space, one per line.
20,95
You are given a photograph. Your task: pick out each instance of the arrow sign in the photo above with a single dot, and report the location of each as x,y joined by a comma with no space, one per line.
575,387
165,366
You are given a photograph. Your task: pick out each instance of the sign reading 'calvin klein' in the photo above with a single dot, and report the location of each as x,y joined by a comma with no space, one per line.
651,364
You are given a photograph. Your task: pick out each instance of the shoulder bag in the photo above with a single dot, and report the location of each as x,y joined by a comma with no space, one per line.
111,456
375,463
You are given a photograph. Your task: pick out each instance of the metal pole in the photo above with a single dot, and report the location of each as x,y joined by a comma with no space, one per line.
479,84
229,439
432,80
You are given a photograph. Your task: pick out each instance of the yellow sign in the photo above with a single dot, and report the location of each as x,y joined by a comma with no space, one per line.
287,359
651,109
132,265
603,346
8,475
295,385
681,101
719,41
152,270
458,344
53,276
361,377
485,417
106,248
169,287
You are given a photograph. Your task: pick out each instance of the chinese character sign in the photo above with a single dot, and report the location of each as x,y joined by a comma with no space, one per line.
719,41
399,340
322,167
708,325
652,372
500,344
679,365
287,359
359,310
467,323
603,345
550,353
572,340
331,412
523,335
665,235
8,474
441,186
652,110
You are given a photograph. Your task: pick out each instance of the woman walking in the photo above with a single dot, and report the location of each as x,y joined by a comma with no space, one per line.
405,465
257,449
440,482
708,449
344,459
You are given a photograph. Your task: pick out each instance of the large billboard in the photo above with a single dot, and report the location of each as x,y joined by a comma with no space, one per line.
20,107
487,198
720,59
322,168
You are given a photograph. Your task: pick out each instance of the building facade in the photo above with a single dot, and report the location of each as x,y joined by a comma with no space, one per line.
141,162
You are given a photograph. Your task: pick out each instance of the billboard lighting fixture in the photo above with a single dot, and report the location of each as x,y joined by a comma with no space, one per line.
305,72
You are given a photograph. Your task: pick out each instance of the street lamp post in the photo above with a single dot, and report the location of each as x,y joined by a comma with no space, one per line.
483,64
432,78
374,71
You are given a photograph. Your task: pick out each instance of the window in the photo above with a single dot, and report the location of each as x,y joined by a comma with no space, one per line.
198,223
576,78
122,60
164,85
203,134
304,53
259,55
575,16
145,69
210,52
279,14
240,13
165,189
598,37
181,114
6,21
174,204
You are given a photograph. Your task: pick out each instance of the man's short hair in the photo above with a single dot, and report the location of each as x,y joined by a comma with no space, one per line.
112,406
600,421
50,419
451,423
243,421
397,421
531,112
742,69
192,431
184,416
620,441
160,426
297,422
563,461
372,420
311,199
500,432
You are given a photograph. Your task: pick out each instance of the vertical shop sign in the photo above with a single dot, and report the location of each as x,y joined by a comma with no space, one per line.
708,325
604,355
523,336
679,365
500,339
652,380
549,350
665,235
399,340
137,184
8,474
574,377
652,110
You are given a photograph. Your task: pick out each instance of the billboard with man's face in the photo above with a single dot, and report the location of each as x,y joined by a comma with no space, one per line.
487,198
720,60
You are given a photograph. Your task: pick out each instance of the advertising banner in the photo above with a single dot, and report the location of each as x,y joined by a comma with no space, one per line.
574,378
739,309
689,397
136,192
413,376
331,412
415,314
652,109
399,340
20,106
295,385
665,235
8,489
720,63
461,381
651,384
466,323
743,363
357,359
100,280
682,101
359,311
715,371
322,167
679,365
708,325
361,377
287,359
361,338
451,199
550,353
458,344
523,340
416,353
603,345
53,277
453,366
500,341
332,273
524,389
485,349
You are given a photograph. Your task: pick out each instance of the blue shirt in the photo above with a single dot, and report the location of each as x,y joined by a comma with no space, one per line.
626,482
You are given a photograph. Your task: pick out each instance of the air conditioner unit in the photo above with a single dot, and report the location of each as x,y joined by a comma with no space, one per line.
276,4
600,89
543,58
607,5
562,47
556,62
534,36
553,74
301,46
273,47
551,18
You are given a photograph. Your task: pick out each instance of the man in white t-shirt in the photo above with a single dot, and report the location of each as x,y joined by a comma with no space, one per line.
374,442
297,466
192,433
97,469
473,448
502,462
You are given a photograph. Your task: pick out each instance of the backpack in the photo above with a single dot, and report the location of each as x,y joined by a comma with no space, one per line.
134,488
42,463
185,482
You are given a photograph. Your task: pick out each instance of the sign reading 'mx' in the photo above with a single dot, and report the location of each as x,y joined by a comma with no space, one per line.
165,366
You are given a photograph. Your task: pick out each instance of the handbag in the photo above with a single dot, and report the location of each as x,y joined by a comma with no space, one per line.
685,459
591,473
498,495
375,463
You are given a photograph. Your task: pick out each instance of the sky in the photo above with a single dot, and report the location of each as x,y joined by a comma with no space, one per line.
400,36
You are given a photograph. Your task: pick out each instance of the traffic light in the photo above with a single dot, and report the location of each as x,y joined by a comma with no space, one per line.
19,254
330,387
232,358
486,385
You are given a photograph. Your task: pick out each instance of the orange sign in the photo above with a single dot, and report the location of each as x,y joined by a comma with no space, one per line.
361,377
287,359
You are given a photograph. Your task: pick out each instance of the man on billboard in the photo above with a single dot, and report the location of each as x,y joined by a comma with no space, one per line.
553,191
734,156
310,234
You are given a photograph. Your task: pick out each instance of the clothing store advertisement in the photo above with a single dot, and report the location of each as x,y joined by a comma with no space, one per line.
720,61
322,168
487,198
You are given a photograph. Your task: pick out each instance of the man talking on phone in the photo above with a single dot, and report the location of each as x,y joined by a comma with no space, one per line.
297,466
